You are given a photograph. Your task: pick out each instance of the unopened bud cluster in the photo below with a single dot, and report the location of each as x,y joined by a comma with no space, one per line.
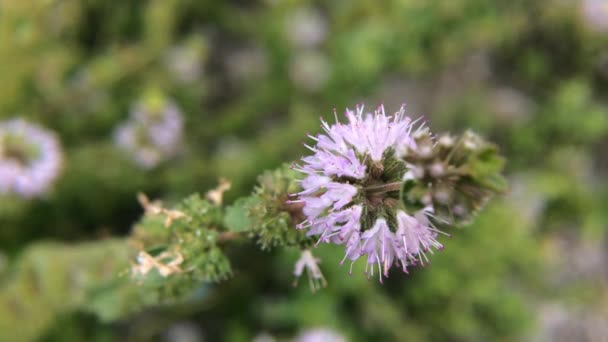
455,175
272,217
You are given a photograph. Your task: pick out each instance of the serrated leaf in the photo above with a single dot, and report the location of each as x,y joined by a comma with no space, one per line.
485,169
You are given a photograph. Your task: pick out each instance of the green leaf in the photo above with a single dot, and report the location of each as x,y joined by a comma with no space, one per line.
236,218
485,167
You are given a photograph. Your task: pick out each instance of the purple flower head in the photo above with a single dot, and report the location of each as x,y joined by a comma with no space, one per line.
30,158
351,192
153,134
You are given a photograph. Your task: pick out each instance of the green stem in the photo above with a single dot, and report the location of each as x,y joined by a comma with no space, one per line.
228,236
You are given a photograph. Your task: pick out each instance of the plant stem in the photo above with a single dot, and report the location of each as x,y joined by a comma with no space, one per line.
228,236
395,186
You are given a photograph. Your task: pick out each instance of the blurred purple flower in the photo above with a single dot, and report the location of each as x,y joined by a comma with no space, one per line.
153,134
306,27
595,14
310,71
320,335
246,64
185,61
30,158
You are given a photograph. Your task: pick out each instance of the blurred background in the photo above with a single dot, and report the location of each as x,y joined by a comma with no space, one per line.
102,99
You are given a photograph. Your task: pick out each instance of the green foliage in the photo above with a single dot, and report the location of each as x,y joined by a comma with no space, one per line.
478,300
237,215
89,277
397,310
77,67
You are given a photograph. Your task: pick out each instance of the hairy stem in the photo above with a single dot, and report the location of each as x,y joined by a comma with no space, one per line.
228,236
379,189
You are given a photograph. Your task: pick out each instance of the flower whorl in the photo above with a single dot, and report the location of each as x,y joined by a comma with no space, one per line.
351,192
153,133
30,158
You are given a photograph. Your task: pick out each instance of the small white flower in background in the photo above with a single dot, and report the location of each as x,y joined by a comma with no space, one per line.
561,322
595,14
310,264
30,158
153,133
264,337
310,71
185,62
306,27
184,332
510,105
320,335
246,64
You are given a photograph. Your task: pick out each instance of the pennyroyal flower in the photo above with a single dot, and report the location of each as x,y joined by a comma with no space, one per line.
309,263
153,134
30,158
351,192
595,14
